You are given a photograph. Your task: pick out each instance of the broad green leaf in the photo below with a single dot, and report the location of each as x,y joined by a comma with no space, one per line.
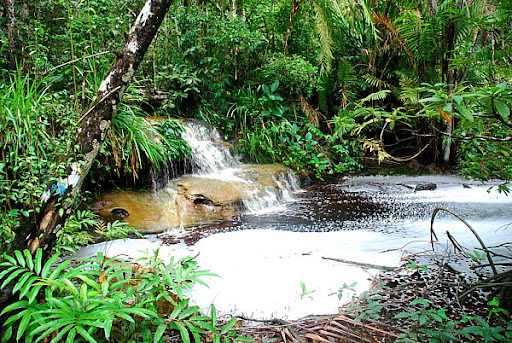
20,284
104,288
28,259
7,271
434,99
448,107
85,334
7,334
90,282
15,317
38,261
188,312
24,323
183,332
421,301
18,305
125,316
107,328
465,112
48,265
71,336
10,259
502,109
159,333
33,293
178,308
57,271
61,333
214,316
20,258
494,302
228,326
70,286
274,86
11,277
83,291
28,286
458,99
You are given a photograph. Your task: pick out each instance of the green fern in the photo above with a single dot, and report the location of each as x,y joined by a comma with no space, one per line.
377,96
322,20
104,300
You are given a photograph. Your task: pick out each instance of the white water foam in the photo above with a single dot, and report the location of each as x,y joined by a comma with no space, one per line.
261,271
212,159
209,154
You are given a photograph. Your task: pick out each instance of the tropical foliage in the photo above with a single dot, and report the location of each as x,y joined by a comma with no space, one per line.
106,300
321,86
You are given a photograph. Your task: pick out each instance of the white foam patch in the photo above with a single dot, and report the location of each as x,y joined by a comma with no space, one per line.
260,271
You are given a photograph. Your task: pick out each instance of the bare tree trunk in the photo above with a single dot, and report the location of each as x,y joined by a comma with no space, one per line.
451,31
476,42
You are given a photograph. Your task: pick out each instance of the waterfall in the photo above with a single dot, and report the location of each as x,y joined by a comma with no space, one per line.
271,199
211,158
209,153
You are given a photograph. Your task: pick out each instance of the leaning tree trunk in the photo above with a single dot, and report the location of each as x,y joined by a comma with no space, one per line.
93,129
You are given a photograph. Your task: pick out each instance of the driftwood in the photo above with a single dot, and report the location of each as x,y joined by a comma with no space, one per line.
360,264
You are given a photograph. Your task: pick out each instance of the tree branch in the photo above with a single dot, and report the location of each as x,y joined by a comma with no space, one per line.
470,138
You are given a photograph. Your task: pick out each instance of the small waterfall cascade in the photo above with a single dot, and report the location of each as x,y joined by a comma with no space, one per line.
271,199
211,158
209,153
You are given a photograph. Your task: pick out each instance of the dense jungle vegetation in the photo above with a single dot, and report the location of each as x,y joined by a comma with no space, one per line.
324,87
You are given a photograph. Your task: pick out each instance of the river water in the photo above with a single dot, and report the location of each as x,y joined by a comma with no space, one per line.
289,253
283,263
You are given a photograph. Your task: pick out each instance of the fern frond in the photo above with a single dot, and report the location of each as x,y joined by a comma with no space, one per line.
325,55
410,95
377,96
374,81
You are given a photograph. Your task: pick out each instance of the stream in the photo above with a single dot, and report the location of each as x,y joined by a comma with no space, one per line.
290,258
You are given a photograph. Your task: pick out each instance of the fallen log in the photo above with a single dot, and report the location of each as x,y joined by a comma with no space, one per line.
359,264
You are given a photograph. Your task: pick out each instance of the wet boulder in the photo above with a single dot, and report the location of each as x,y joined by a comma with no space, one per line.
429,186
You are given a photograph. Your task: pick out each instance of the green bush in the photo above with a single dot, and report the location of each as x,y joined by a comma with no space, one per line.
104,300
295,74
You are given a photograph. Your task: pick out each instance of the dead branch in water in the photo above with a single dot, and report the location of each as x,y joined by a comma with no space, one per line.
482,244
359,264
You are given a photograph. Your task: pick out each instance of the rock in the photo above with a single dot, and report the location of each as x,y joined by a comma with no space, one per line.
429,186
191,200
119,213
415,165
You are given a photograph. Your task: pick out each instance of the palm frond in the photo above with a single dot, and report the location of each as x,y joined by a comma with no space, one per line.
323,14
377,96
374,81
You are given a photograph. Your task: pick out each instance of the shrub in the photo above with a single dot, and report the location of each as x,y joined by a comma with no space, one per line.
105,300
